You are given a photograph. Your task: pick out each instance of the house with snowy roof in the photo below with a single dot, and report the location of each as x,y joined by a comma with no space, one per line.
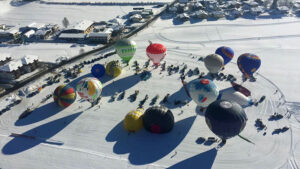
4,58
84,26
14,69
11,70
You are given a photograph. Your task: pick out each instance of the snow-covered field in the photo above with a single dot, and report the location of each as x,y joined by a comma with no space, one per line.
84,137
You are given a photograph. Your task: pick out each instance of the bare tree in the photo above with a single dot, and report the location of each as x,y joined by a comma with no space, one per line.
81,51
274,4
65,22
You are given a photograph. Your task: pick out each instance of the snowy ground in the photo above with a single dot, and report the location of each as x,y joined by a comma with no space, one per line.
84,137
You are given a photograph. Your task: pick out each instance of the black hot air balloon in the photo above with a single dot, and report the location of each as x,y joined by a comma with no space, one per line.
225,118
158,119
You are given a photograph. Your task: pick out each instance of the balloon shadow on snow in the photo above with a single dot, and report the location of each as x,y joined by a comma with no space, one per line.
74,82
41,134
145,147
40,114
181,96
204,160
120,85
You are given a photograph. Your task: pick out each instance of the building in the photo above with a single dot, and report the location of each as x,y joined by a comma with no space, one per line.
72,37
33,26
28,35
99,37
29,63
42,34
183,17
4,58
183,1
146,14
10,71
84,26
136,18
9,34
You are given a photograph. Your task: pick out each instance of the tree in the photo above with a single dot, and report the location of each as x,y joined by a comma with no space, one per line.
65,22
81,51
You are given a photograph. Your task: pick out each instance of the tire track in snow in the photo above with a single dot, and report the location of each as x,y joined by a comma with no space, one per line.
163,38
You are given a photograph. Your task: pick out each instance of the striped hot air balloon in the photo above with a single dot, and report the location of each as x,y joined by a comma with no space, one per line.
64,95
248,64
226,53
89,89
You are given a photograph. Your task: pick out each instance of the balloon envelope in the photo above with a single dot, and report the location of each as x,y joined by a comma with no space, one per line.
213,63
226,53
113,68
98,70
133,121
203,91
64,95
248,64
225,118
126,49
89,89
156,52
158,119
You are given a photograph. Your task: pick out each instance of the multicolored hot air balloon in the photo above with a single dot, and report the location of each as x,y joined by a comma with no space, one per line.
203,91
98,70
214,63
226,53
114,68
248,64
156,52
126,49
64,95
225,118
89,89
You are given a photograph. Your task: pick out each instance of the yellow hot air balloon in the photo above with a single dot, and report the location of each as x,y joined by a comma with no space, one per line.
113,68
133,121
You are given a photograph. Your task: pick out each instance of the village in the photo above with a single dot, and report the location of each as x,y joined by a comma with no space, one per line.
81,32
185,10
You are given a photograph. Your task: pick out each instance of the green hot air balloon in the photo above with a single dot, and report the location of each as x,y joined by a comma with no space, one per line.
125,48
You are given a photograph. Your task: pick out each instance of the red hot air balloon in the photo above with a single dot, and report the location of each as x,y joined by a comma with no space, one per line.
156,52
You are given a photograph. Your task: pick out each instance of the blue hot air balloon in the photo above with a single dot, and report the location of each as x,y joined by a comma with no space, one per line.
248,64
226,53
225,118
98,70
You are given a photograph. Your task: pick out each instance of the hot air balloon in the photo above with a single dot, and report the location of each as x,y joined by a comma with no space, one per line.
125,48
158,119
156,52
203,91
98,70
114,68
248,64
64,95
232,95
133,121
226,53
89,88
225,118
213,63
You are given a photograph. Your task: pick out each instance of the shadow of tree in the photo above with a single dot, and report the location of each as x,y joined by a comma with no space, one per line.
41,134
40,114
203,160
145,147
120,85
